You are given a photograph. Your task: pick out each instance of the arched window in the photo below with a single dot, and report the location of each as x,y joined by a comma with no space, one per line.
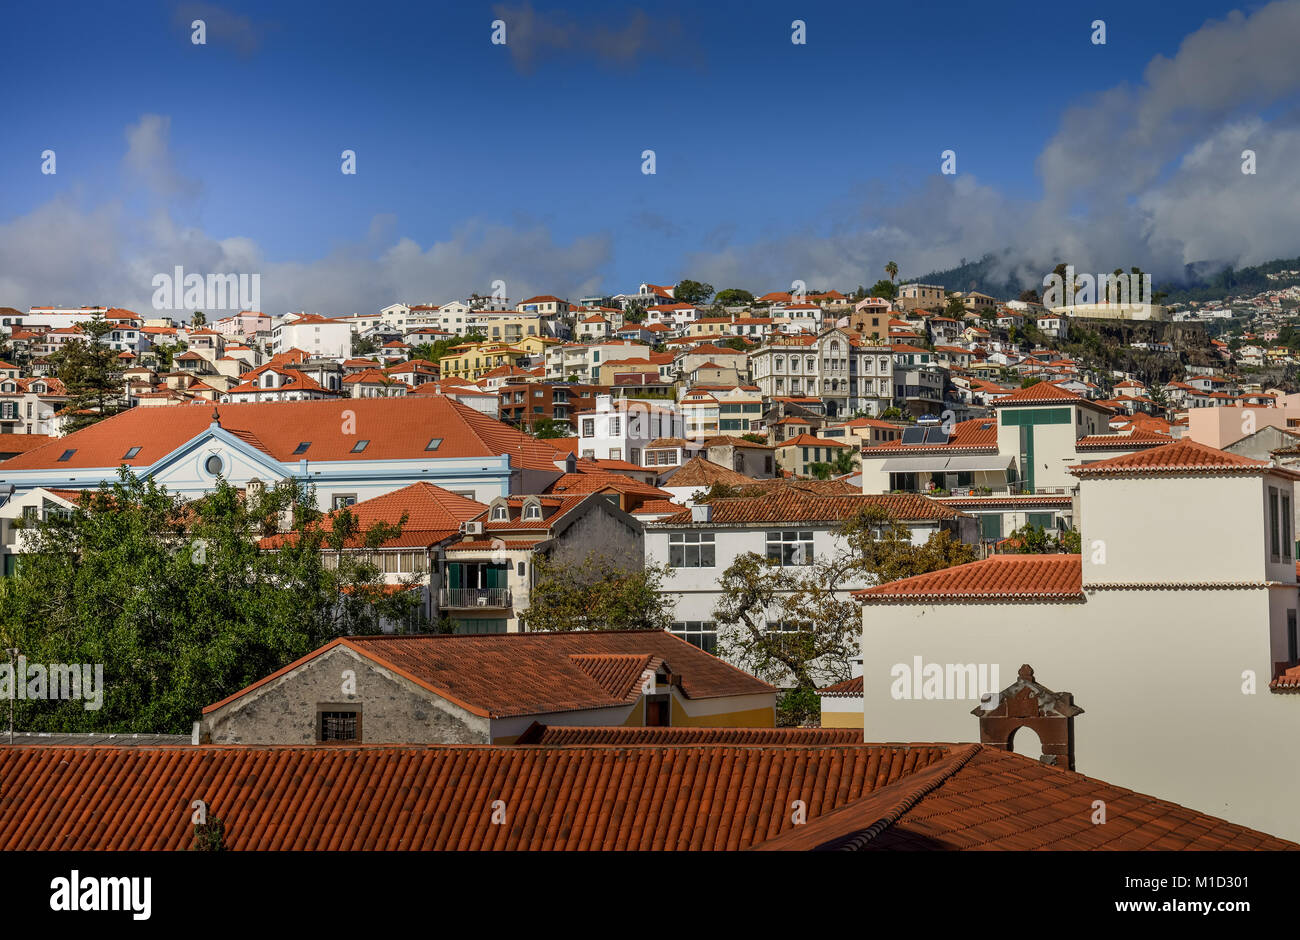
500,513
532,511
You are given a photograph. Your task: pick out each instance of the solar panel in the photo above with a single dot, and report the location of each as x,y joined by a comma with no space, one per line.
936,436
914,435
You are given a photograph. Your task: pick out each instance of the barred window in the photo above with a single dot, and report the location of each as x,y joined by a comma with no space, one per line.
339,725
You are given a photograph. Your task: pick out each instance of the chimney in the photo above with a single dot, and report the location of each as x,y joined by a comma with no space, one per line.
570,463
1027,704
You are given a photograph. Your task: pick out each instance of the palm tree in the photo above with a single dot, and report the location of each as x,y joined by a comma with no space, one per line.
199,318
892,270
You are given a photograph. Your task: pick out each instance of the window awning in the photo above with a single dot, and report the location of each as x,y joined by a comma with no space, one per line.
915,464
968,463
946,463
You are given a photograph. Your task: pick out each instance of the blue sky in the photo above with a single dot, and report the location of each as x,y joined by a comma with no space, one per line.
523,161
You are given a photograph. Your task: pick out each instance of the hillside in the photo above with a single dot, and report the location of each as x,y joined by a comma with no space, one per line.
1202,282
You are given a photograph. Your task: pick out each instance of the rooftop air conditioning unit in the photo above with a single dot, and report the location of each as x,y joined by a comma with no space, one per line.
471,528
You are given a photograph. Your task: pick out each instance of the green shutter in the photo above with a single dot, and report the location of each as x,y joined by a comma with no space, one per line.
991,525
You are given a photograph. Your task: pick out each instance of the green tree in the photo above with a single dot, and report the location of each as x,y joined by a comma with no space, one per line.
598,592
199,319
1035,540
797,625
91,373
733,297
886,289
181,602
547,429
892,270
692,292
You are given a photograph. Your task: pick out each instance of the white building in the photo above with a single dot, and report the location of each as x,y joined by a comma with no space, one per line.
702,542
620,429
1173,630
318,336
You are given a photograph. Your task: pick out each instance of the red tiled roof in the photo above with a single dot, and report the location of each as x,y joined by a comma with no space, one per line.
1134,441
1037,577
397,428
699,471
979,797
1182,456
582,798
981,433
849,688
1289,681
432,514
656,506
560,735
791,505
513,674
1038,393
807,440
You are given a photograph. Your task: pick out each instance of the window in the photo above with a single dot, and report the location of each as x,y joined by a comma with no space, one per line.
789,548
991,525
434,444
588,427
131,453
701,633
1287,543
615,427
213,465
1274,532
66,456
532,511
338,725
500,513
302,447
1292,641
359,446
690,550
1041,520
342,500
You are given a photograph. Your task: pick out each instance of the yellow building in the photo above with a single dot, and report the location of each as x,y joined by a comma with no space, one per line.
472,360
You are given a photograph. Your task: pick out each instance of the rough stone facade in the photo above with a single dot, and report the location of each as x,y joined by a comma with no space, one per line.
394,710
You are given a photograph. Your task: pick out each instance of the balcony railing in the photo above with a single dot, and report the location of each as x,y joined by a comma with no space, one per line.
463,598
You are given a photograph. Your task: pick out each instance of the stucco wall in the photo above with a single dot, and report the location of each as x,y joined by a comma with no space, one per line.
1157,672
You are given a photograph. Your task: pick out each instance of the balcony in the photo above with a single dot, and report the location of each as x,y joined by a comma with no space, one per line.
473,598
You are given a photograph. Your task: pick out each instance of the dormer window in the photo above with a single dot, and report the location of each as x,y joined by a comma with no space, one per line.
533,512
501,513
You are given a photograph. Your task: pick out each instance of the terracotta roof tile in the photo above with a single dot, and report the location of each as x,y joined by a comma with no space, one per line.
974,433
849,688
1182,456
699,471
397,428
793,506
554,735
504,675
979,797
998,576
601,797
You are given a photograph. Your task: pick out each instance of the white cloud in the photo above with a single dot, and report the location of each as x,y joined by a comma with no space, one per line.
63,254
